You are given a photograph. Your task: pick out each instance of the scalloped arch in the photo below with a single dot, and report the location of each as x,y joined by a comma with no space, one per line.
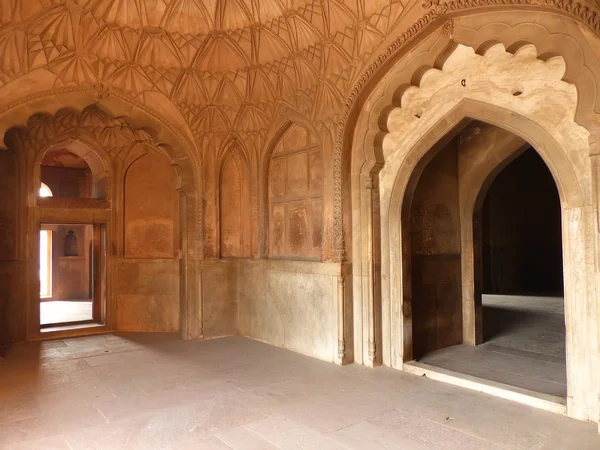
553,33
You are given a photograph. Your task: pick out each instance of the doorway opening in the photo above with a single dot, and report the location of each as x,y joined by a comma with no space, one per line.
518,302
72,276
522,272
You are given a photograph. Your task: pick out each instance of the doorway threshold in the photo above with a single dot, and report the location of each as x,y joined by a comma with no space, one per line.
516,394
69,326
67,331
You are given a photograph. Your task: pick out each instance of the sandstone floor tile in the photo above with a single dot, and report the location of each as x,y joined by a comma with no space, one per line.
242,394
49,443
18,407
330,413
400,430
49,424
166,429
241,438
289,435
210,443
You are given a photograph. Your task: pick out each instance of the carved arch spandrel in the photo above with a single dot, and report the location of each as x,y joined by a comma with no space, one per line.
137,115
99,129
548,43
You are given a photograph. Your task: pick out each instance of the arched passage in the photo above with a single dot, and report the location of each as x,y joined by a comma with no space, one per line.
396,141
396,260
434,255
520,246
520,220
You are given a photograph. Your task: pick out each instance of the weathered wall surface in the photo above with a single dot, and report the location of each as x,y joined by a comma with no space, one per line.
12,271
296,196
219,297
436,259
148,295
9,189
12,304
290,304
67,182
71,274
234,206
150,208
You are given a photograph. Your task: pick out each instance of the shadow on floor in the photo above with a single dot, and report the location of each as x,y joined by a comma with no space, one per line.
500,320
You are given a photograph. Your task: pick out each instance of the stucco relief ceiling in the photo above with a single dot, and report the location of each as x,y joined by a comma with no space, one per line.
224,63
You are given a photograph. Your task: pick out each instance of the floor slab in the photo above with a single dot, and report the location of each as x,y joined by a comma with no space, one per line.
146,391
524,345
530,323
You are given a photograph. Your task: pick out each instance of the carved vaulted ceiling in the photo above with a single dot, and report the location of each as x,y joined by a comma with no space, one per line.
225,64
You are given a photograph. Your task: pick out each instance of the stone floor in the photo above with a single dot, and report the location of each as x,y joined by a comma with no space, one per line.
528,323
61,311
524,345
157,392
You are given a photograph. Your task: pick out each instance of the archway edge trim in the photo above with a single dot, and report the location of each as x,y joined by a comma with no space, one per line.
570,190
393,209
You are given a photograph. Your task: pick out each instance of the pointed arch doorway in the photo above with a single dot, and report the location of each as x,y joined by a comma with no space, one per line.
515,251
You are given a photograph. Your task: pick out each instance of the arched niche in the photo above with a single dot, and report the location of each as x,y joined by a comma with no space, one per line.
151,210
295,196
234,206
110,140
73,168
70,175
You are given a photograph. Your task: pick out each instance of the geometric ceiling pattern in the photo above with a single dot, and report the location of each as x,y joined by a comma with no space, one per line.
225,64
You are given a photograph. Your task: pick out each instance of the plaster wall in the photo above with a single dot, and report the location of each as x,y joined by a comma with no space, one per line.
12,269
71,274
67,182
483,152
291,304
12,306
148,295
220,297
521,232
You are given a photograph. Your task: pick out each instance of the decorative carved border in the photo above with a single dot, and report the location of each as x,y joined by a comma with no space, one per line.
435,10
43,130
